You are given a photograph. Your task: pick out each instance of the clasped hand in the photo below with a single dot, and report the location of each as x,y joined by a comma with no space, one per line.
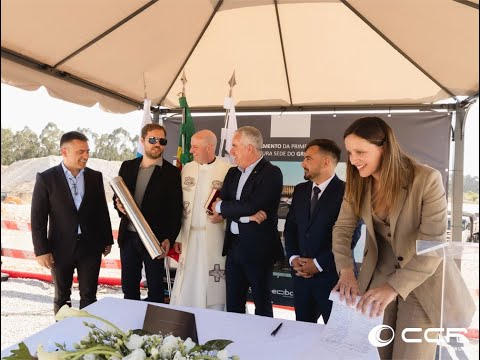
259,217
304,267
378,297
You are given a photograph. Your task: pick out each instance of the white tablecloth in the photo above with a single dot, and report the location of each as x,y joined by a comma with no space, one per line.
250,333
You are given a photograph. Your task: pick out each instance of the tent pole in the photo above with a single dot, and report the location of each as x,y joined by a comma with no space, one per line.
156,116
457,173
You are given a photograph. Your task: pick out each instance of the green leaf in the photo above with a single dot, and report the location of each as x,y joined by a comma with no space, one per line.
21,353
218,344
195,349
61,346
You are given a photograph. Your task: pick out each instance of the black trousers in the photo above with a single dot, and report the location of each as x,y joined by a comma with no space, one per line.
311,296
239,277
88,269
133,255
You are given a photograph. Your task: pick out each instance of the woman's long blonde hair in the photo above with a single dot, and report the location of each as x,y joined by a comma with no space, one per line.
396,167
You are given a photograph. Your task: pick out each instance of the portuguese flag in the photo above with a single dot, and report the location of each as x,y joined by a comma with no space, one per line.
186,132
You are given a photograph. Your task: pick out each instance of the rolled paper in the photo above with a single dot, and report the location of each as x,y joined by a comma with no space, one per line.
144,230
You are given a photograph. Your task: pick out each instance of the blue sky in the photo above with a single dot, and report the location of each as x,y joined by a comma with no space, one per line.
20,108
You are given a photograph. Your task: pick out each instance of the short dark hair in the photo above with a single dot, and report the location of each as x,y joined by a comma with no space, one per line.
72,135
152,126
328,146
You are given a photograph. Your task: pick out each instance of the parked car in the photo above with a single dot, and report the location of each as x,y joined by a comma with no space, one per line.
469,227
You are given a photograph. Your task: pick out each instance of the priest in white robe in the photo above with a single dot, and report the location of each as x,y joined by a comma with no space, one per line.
200,277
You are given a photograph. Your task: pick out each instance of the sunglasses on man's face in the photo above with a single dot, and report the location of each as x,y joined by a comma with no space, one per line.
153,140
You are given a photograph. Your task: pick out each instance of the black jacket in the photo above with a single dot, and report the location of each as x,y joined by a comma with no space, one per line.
52,203
162,204
258,243
311,236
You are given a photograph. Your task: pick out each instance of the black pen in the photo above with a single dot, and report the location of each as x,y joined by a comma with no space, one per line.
274,332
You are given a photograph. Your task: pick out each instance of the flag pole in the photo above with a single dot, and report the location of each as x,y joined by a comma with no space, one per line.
146,117
184,110
179,160
232,83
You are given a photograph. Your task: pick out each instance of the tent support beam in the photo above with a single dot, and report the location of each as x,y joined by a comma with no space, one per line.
217,7
457,173
283,52
329,108
470,100
392,44
467,3
105,33
48,70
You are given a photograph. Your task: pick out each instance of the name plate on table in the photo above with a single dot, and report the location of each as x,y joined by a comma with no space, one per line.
165,320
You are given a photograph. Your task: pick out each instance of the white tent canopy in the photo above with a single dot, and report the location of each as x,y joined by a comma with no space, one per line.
285,53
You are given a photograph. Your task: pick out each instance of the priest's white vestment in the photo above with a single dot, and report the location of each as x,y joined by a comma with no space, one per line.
200,277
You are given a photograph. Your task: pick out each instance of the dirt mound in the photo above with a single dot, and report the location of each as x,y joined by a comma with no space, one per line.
18,179
17,213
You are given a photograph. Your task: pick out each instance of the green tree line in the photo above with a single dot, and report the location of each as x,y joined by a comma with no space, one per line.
470,183
470,188
26,144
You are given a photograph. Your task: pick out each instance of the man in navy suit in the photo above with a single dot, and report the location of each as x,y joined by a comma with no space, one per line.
308,231
70,199
249,201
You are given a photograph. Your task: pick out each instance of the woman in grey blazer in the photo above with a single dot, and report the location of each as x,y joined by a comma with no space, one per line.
400,202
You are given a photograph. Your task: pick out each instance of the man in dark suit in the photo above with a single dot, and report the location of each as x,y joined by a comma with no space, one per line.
155,184
308,231
249,201
70,198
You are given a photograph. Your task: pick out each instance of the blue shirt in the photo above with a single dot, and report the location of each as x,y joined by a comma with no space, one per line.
241,183
77,187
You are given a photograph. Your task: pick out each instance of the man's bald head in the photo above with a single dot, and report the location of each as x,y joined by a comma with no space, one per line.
207,136
203,145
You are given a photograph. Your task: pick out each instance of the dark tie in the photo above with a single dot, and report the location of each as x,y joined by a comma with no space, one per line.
314,199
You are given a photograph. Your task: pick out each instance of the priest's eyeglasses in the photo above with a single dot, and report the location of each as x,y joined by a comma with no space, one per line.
153,140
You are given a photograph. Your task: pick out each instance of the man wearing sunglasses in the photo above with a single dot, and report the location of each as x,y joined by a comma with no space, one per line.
155,184
70,198
200,278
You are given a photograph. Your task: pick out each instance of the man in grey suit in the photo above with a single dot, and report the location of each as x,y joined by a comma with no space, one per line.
69,200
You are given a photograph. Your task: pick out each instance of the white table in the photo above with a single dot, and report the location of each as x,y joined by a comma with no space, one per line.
250,333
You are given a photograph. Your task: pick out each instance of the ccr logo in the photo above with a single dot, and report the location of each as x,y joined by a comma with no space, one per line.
430,335
374,336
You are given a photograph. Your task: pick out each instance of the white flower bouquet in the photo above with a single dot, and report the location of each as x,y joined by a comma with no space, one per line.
114,344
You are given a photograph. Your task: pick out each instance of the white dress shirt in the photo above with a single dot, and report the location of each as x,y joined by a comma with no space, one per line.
77,187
